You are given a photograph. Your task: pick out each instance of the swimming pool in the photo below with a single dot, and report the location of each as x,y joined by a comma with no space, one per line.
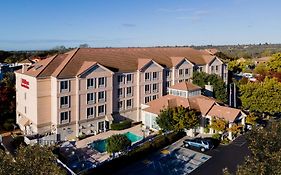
133,137
100,145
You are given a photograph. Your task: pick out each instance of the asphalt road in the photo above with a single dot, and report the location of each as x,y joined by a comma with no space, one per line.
223,156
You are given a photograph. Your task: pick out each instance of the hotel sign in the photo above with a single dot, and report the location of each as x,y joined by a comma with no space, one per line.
25,83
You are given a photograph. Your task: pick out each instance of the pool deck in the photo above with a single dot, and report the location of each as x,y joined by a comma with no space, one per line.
83,143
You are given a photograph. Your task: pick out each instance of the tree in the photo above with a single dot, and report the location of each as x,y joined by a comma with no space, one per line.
184,118
117,142
177,119
201,79
262,97
274,64
84,46
30,160
165,119
251,119
218,124
265,146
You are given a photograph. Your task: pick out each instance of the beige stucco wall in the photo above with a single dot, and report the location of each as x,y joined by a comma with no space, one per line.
30,102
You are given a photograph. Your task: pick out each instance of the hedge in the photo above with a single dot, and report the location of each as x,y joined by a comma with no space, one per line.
122,125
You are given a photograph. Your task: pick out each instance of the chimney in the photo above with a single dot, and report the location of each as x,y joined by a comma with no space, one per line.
209,89
24,68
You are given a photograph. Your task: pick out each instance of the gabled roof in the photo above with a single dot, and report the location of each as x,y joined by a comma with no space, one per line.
85,66
203,104
123,59
143,62
227,113
185,86
166,101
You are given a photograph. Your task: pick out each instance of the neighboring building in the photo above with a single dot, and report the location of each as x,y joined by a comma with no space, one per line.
83,90
189,96
261,60
4,68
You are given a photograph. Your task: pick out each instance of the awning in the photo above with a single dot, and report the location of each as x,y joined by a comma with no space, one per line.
108,118
23,121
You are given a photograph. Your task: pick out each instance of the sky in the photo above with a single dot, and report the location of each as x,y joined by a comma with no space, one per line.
44,24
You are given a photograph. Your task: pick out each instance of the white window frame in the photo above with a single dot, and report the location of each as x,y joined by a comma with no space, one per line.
65,119
102,100
63,84
65,99
92,112
91,83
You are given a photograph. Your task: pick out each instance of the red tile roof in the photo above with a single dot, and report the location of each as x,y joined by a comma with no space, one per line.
122,59
206,105
185,86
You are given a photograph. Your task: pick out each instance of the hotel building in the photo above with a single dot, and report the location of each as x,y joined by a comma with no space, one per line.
84,90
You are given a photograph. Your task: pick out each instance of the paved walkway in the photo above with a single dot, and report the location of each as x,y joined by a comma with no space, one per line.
83,143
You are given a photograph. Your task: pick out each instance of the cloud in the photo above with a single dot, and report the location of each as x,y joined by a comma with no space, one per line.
129,25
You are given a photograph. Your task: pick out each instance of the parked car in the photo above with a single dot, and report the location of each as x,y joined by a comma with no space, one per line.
201,143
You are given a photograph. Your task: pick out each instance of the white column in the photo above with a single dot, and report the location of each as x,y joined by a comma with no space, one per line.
211,129
173,75
77,112
138,95
229,132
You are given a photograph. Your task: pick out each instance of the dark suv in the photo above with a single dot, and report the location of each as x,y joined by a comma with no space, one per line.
201,143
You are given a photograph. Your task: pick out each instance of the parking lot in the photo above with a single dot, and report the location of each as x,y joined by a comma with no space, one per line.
177,160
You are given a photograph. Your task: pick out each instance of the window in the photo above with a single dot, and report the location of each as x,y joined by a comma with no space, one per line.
168,84
25,110
90,98
186,72
64,102
64,117
154,88
154,97
180,72
212,69
120,105
91,83
129,78
101,96
146,99
217,68
129,103
90,112
64,86
120,92
147,76
180,81
129,91
146,89
101,110
155,75
168,73
102,81
200,69
120,79
25,96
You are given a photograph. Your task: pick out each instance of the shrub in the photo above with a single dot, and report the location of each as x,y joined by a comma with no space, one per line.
122,125
216,136
82,136
206,129
17,141
8,126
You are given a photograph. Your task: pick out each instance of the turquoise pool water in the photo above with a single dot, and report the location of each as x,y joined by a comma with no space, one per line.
100,145
133,137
